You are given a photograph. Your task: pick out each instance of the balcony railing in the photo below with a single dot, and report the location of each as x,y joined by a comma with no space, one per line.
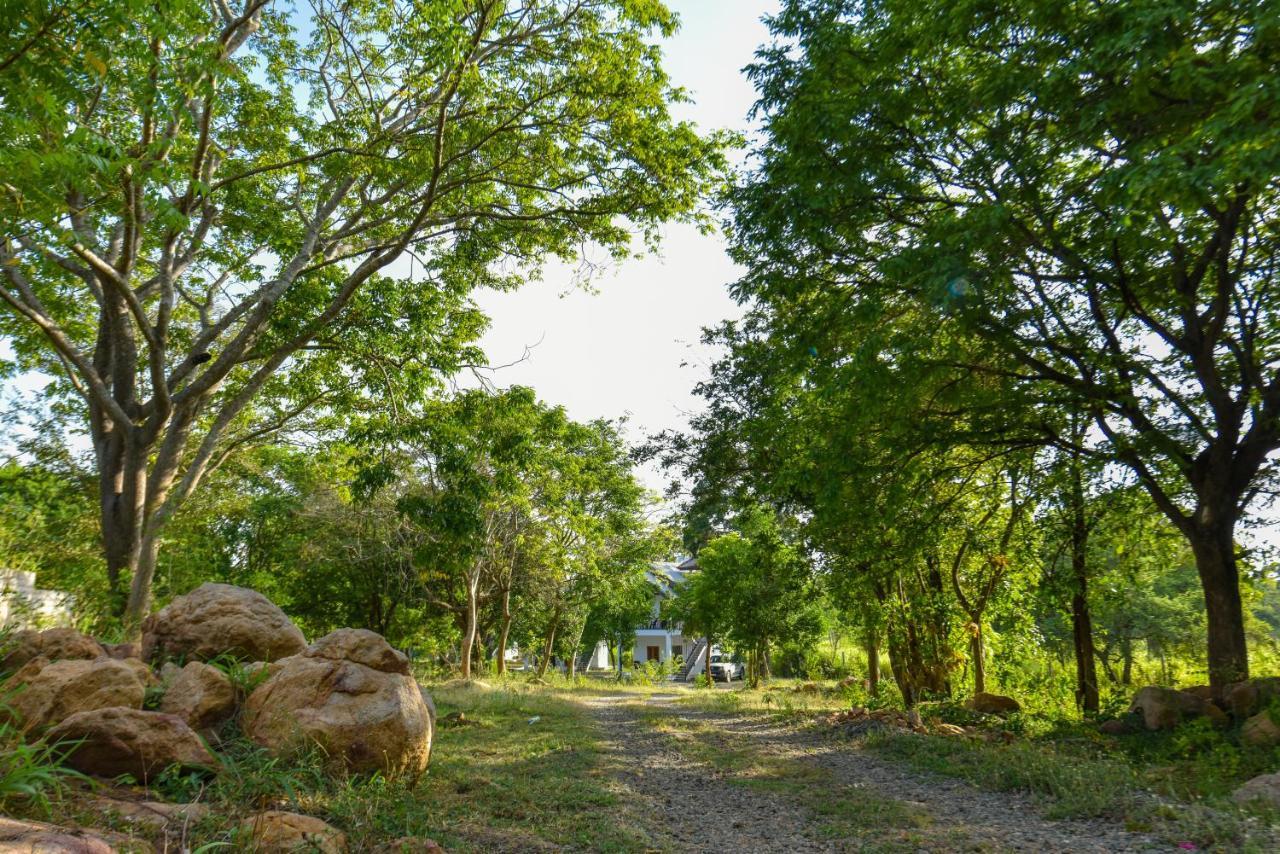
664,625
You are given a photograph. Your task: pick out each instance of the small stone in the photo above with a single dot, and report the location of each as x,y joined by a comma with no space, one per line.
992,704
1260,731
34,837
1264,788
275,830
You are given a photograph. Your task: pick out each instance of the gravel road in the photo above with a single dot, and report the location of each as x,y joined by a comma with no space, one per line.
726,782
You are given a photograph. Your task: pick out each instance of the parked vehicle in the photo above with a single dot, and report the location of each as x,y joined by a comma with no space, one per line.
725,669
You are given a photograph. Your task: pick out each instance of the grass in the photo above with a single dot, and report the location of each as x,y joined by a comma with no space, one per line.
1081,779
30,774
519,776
529,765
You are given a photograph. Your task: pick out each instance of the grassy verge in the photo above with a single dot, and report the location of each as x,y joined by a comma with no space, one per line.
519,775
1075,782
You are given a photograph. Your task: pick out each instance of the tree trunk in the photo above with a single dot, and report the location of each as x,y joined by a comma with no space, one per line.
573,662
902,672
706,662
469,631
1086,669
504,634
547,646
873,664
1126,653
1213,545
977,650
1081,620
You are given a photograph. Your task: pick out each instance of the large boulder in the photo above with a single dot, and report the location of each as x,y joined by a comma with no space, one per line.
275,830
34,837
1264,788
992,704
1245,699
1165,708
115,741
352,694
220,619
53,644
1260,731
42,694
200,694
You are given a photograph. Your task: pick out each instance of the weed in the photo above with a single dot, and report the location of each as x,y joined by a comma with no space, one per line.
30,773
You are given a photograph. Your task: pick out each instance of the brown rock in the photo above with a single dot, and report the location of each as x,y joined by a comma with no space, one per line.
59,689
1260,731
220,619
1165,708
34,837
121,740
366,718
361,646
1118,726
200,694
949,729
410,845
151,816
53,644
130,649
286,831
1264,788
1246,699
992,704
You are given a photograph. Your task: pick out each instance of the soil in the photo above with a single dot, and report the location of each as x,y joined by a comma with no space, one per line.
791,790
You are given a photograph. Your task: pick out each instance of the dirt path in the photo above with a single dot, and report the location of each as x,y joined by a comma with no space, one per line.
724,782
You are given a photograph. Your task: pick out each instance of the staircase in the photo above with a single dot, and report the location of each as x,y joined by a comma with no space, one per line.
696,653
580,666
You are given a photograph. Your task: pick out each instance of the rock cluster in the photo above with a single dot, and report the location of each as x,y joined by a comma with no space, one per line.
350,693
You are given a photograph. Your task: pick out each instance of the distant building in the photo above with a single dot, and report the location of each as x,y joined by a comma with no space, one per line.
661,640
22,605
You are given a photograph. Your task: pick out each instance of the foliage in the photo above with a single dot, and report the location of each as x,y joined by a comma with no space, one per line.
764,586
221,223
999,199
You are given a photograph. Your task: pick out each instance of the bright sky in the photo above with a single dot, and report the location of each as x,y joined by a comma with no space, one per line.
618,351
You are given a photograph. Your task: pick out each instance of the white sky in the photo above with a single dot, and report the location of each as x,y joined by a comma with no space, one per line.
618,351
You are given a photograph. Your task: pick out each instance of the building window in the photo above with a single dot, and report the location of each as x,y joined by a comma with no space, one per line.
677,650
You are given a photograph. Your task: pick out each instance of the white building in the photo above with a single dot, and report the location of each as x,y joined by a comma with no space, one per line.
661,640
23,605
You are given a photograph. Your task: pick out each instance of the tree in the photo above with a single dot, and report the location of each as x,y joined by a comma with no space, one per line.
615,615
766,584
204,206
1085,190
701,607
